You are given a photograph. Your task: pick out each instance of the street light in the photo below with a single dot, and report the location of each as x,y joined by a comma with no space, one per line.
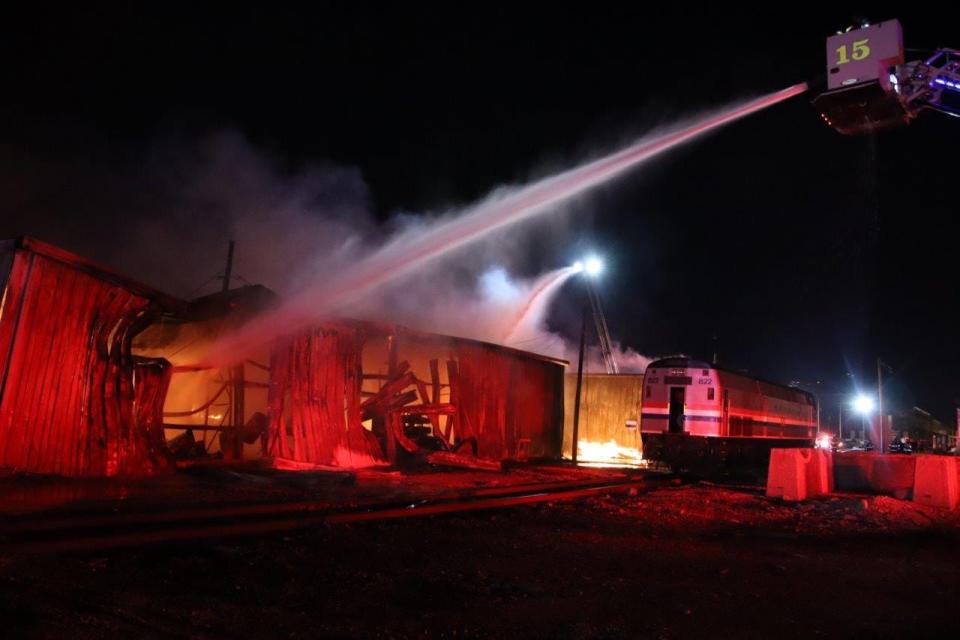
591,267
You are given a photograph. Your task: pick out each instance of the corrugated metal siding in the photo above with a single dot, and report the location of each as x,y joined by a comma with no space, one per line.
510,403
67,397
314,399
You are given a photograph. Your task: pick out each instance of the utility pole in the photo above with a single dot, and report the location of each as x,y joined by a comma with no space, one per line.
237,375
840,428
590,268
880,365
956,441
229,270
576,400
880,403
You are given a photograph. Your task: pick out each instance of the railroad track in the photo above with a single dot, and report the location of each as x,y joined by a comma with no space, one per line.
96,531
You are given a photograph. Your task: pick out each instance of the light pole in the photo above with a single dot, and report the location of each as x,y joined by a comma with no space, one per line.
880,366
880,403
591,268
840,426
864,405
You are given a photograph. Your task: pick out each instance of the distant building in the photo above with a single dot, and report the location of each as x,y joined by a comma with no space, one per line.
923,431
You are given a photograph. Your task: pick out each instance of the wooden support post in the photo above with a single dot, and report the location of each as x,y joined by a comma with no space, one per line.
453,429
238,410
392,358
435,394
228,271
576,401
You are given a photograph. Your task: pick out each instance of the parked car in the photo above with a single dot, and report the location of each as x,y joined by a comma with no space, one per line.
853,445
901,445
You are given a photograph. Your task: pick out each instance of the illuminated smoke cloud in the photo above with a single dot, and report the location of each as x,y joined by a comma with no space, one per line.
166,220
408,253
308,233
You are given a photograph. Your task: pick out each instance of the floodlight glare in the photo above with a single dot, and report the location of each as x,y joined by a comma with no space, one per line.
593,266
863,404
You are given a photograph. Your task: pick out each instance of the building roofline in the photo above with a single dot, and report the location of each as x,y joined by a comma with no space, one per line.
181,308
168,302
429,336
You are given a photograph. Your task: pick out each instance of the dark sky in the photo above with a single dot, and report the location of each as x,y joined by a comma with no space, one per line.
807,253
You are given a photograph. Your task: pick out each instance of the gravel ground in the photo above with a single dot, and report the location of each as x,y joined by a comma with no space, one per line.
690,560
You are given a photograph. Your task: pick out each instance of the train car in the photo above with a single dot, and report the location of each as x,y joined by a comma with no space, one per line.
697,416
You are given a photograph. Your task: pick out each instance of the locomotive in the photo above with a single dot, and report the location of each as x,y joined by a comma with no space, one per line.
698,416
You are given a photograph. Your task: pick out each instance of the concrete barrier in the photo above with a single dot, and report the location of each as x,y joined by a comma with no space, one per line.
937,481
786,475
820,473
874,472
798,474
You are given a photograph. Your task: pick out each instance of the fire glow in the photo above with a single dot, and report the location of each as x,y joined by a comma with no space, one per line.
410,251
608,453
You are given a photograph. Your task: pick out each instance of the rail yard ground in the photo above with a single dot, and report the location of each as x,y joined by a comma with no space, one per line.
675,559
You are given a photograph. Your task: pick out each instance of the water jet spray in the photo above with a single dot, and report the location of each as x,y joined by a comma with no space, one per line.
413,250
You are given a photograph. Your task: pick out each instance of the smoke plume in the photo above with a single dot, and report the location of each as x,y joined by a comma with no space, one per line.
165,219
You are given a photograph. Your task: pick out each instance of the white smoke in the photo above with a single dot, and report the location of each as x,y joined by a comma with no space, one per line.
167,221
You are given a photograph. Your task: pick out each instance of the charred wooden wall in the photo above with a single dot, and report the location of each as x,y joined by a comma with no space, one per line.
607,401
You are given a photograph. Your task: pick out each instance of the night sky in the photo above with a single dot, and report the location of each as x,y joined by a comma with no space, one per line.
808,254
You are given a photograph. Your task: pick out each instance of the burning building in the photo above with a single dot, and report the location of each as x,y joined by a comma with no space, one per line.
608,430
349,393
104,376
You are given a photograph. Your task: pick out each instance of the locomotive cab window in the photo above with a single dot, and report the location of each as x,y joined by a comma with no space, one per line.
710,393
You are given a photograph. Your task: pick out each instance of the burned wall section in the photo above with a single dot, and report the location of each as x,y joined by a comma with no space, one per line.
356,394
314,399
69,403
211,412
607,403
510,401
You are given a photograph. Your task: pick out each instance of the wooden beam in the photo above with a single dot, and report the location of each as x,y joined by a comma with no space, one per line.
449,459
